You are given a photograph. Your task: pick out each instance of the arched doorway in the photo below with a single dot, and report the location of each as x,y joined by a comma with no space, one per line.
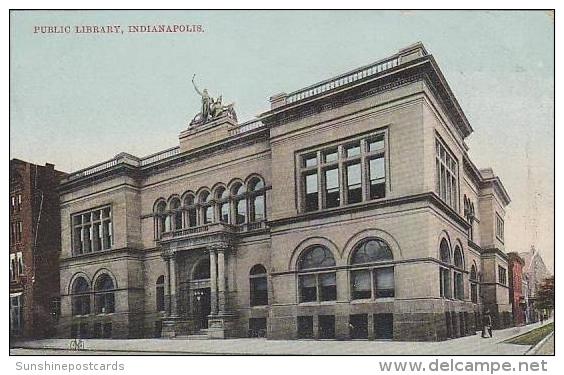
201,294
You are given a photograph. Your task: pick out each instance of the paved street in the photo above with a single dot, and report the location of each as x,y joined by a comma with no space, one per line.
470,345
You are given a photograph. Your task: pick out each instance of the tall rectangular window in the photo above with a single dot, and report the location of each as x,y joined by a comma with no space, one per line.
499,227
13,266
92,231
354,183
240,211
474,292
19,231
328,286
311,192
377,178
20,261
192,215
384,282
458,285
258,211
259,291
308,288
446,175
361,284
13,233
332,190
224,212
357,166
445,283
502,275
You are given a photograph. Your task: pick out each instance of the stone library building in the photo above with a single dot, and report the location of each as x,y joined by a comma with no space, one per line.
348,210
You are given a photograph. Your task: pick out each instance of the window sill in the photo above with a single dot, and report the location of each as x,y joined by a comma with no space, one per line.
372,300
343,206
453,299
317,303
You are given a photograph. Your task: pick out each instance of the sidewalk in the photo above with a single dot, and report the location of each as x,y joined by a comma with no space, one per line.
470,345
545,347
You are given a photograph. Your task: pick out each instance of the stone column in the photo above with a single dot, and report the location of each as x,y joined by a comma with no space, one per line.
172,277
213,280
167,278
221,279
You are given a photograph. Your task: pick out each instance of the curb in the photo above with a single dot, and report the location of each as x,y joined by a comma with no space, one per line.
534,349
139,351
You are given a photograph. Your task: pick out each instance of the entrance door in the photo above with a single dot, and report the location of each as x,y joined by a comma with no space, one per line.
202,306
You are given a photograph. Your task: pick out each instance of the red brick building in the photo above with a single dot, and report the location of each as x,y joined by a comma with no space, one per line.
516,293
34,248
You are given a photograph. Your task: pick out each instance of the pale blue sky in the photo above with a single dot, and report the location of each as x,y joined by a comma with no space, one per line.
80,99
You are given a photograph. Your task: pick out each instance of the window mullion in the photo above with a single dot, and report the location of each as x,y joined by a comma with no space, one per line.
373,282
320,184
364,178
364,171
317,288
343,184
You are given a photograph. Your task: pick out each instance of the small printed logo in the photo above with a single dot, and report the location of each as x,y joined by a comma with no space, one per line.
76,344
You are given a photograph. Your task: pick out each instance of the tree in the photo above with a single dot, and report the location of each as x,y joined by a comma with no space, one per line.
545,295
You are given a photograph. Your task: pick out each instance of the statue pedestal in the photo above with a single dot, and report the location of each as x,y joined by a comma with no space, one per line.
220,326
201,135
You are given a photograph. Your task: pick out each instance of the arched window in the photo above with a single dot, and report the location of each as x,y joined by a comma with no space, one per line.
104,293
369,277
258,286
240,203
160,293
444,270
474,284
256,200
191,214
317,282
458,258
176,214
458,276
222,197
207,207
80,297
160,219
445,251
202,270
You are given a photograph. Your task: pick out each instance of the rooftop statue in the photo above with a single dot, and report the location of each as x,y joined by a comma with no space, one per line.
211,108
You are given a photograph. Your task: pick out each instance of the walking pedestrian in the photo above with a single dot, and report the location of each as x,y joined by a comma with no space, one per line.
486,324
